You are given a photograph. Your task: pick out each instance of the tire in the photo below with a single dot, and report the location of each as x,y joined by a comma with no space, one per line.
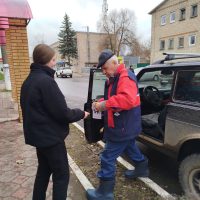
56,75
189,176
70,76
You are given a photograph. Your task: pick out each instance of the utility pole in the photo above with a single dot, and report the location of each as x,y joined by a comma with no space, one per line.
88,44
105,8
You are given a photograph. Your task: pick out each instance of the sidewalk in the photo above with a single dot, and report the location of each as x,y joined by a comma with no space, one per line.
8,108
18,162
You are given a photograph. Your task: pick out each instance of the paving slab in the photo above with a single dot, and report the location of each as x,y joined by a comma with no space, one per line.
18,165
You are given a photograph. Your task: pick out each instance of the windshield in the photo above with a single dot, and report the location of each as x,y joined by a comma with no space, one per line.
62,68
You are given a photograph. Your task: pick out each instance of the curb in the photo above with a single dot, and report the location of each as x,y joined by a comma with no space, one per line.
79,174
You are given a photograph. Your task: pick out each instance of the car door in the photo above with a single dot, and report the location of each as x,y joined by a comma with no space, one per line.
184,111
93,125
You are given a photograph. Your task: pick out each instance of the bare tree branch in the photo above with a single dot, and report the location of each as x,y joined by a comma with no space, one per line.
118,25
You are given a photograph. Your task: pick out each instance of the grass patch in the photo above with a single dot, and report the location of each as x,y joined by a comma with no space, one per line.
1,76
86,157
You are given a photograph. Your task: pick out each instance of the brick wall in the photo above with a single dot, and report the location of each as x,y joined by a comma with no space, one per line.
18,56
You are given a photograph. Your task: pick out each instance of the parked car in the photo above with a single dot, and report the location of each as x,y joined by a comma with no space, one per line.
170,108
137,70
64,72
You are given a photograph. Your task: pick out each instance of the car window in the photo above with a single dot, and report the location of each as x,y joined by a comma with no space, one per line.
60,68
60,64
157,79
98,85
188,87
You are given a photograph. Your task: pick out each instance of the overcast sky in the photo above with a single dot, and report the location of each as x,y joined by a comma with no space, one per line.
48,16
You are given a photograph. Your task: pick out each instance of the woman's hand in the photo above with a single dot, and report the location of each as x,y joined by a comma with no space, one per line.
86,115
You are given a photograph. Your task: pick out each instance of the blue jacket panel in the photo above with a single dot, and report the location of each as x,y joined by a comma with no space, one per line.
127,122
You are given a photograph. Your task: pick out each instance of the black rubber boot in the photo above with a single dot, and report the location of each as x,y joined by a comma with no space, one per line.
103,192
141,170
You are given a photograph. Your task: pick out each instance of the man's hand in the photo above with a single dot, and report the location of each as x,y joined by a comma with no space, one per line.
86,115
99,106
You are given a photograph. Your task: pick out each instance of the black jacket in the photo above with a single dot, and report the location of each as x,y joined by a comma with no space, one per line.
46,116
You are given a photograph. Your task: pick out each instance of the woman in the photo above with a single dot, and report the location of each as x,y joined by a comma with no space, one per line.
46,119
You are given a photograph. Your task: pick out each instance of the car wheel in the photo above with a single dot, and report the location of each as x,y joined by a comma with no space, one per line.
56,75
70,76
189,176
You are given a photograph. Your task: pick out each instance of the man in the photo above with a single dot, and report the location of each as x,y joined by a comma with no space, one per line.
131,68
122,125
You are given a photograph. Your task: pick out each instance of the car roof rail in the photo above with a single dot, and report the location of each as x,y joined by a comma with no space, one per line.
176,56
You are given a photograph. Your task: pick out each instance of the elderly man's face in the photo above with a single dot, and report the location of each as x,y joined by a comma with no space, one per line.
109,69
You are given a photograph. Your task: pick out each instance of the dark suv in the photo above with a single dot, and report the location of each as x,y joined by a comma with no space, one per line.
170,107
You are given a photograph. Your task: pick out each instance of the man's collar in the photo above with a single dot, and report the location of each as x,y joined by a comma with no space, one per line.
120,68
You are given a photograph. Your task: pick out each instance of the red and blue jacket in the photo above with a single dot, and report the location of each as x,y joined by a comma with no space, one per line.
123,114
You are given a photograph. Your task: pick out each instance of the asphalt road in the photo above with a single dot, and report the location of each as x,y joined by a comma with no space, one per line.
163,170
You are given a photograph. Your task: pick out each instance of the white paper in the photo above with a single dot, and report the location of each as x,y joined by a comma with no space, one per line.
96,114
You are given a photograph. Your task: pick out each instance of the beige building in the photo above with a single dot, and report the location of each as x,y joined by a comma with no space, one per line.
175,28
89,45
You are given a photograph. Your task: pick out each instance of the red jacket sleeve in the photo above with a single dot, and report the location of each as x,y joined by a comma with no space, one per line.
126,97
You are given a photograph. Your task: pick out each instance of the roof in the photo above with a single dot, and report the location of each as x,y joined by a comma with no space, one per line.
158,6
15,9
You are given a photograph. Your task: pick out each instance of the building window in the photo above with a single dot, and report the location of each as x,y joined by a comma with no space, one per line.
163,20
171,43
172,17
192,40
182,14
162,44
194,10
181,42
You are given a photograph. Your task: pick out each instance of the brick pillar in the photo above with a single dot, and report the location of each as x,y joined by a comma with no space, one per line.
18,56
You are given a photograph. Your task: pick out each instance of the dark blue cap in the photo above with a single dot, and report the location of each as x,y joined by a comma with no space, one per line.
105,55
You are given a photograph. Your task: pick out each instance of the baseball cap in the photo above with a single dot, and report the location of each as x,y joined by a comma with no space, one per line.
105,55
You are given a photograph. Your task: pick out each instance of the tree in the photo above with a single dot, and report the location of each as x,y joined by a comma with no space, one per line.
118,25
67,40
146,50
139,48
